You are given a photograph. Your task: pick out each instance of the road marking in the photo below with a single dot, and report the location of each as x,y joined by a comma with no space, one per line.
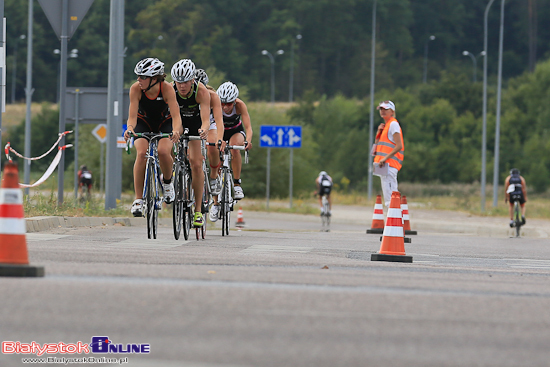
273,248
528,264
35,237
144,244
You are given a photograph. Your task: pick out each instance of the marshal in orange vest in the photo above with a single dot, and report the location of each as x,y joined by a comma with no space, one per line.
385,146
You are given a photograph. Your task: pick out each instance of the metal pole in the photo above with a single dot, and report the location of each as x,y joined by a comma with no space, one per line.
499,87
2,68
371,115
101,165
467,53
76,118
484,134
290,176
291,84
29,90
267,178
62,97
272,79
425,74
113,174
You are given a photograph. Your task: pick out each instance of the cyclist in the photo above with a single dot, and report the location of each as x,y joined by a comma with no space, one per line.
516,190
238,129
194,105
85,179
324,186
151,99
215,133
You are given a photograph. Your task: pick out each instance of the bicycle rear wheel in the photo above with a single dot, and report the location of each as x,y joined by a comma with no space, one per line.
517,217
177,206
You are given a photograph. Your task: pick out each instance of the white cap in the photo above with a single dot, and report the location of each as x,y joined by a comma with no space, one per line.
387,105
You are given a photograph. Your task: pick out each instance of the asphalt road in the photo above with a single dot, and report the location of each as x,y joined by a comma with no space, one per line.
282,293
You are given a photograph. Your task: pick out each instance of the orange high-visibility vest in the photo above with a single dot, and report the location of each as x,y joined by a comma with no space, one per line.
385,146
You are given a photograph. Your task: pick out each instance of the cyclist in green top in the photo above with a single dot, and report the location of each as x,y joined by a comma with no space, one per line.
193,100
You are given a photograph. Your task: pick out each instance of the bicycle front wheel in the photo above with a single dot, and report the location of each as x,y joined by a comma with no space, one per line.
177,207
187,203
150,199
226,203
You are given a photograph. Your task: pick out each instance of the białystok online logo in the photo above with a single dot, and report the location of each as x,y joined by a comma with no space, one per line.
99,344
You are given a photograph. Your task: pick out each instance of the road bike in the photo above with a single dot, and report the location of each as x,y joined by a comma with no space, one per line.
325,214
226,200
518,220
85,194
152,187
182,209
206,195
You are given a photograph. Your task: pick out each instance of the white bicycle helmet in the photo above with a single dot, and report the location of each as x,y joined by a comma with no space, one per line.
322,173
228,92
183,71
149,67
201,76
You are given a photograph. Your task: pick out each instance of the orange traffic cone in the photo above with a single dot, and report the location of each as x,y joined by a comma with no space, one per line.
377,225
240,221
393,239
406,221
14,260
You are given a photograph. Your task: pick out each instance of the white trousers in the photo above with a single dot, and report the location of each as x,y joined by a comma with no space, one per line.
389,184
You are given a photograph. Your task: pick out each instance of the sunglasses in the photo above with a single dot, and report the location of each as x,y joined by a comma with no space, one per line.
143,77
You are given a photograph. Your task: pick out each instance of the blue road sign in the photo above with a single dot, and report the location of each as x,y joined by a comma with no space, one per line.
280,136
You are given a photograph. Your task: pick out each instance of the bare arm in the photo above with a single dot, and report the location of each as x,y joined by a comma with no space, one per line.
203,98
135,95
524,188
216,106
243,111
170,98
506,184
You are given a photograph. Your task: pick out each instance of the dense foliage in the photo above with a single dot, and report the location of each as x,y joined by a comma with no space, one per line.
441,119
333,55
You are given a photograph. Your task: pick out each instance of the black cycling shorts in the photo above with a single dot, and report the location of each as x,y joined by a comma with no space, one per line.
147,125
325,190
228,133
517,197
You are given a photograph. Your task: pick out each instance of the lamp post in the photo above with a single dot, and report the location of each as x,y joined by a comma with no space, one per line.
371,115
14,72
425,75
499,88
291,86
272,59
72,55
484,134
474,60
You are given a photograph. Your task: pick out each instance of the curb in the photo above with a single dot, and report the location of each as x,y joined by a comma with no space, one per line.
39,224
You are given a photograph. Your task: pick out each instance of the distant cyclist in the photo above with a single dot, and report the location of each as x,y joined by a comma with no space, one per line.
85,179
515,190
238,129
151,99
324,186
194,105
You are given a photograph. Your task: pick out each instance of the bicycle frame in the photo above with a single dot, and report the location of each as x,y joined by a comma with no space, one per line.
185,199
226,196
325,217
152,188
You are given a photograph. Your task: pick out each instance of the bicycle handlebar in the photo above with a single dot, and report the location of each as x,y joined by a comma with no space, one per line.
147,135
236,147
